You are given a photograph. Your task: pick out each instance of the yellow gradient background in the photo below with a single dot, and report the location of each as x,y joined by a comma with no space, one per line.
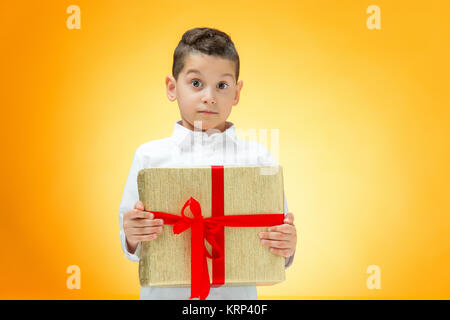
363,117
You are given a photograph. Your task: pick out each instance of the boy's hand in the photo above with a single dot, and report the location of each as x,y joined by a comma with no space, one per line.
140,225
281,239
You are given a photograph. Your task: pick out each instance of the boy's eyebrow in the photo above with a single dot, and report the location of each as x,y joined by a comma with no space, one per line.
196,71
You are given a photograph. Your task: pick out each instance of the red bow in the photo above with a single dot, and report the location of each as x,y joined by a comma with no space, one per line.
206,228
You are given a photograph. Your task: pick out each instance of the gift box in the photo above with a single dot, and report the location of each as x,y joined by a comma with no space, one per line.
212,218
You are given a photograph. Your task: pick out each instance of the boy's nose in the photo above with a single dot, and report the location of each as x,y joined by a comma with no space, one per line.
210,101
209,98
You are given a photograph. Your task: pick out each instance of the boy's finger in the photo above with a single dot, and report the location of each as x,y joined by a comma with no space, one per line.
276,244
146,230
147,222
146,237
142,214
285,228
273,235
139,205
289,218
140,223
280,252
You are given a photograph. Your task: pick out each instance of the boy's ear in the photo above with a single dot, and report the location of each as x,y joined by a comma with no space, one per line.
171,85
237,93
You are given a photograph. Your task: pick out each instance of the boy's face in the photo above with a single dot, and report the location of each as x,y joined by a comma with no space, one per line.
206,83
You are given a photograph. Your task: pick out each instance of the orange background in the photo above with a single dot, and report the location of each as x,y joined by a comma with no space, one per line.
364,137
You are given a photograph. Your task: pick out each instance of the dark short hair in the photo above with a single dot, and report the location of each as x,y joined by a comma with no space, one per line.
204,40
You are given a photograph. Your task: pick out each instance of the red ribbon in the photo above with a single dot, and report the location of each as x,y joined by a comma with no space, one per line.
212,230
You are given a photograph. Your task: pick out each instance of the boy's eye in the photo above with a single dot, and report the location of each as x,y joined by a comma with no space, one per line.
224,84
195,82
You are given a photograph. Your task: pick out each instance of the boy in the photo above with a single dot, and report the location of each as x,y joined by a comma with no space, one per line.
204,82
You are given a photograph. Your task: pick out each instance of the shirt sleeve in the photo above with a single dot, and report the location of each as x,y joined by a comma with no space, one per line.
129,198
290,259
264,156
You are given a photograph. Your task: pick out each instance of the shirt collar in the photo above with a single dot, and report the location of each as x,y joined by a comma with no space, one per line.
183,135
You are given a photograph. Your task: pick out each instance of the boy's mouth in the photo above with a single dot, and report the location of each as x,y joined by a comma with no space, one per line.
207,112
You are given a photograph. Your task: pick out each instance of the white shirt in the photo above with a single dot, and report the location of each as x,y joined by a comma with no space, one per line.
187,148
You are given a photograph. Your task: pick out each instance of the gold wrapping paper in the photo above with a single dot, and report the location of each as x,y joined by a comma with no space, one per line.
166,261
